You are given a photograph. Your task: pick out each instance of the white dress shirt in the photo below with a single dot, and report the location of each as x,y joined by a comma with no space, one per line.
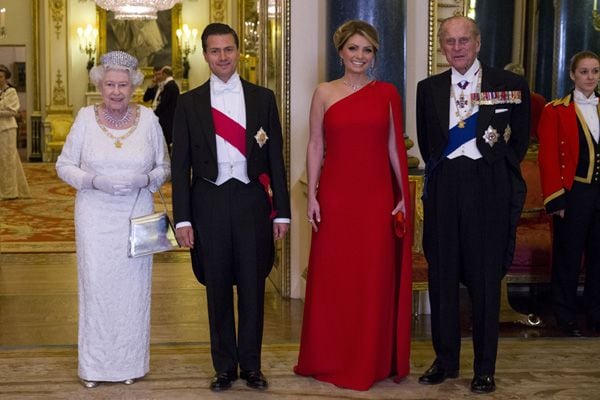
228,98
468,149
588,107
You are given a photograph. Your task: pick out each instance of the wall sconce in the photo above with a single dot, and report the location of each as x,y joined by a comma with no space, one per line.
87,43
186,41
2,22
596,16
251,37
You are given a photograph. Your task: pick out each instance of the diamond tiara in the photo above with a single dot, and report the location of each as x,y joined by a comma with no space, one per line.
119,58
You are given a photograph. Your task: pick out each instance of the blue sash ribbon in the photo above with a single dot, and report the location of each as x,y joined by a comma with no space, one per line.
459,136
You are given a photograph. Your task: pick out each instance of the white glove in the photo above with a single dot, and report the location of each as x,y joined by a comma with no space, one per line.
115,186
138,181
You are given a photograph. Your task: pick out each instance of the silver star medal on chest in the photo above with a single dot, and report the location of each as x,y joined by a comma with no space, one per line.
261,137
490,136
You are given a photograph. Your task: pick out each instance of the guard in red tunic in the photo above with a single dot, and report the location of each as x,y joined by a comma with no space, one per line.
569,159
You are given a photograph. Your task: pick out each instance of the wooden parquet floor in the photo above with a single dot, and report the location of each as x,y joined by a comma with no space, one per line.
38,329
38,352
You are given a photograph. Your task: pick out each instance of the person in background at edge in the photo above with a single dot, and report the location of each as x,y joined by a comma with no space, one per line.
569,160
13,183
164,96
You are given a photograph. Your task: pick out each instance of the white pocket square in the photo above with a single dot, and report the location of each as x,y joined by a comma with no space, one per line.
500,110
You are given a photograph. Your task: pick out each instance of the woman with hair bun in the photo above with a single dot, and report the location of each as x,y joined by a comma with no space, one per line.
356,327
13,183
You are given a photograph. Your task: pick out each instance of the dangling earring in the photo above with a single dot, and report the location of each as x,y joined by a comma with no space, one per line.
341,62
371,69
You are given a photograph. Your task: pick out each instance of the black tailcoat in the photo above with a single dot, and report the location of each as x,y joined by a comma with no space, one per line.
471,209
233,230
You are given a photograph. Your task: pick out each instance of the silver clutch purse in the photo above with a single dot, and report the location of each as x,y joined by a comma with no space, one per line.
151,233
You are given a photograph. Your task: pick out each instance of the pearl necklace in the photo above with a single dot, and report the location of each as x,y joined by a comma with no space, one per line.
117,122
353,86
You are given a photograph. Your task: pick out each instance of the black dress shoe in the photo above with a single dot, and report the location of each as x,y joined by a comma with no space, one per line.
254,379
222,381
436,374
571,329
483,384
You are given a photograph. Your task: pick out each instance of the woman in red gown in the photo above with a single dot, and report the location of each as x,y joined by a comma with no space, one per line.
356,328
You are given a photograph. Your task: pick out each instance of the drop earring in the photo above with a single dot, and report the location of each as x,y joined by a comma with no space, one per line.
371,70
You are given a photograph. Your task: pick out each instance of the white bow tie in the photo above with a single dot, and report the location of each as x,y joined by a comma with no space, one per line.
232,87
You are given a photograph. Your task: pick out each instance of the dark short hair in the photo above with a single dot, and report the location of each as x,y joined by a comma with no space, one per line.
217,28
580,56
4,68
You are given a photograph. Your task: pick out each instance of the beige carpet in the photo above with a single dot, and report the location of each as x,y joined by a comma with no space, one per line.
527,369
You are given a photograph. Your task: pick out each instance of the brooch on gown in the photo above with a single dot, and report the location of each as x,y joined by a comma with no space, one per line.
261,137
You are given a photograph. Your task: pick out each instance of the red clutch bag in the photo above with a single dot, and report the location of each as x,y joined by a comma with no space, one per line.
399,224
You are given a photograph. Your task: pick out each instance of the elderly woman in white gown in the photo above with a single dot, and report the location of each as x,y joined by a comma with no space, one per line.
113,151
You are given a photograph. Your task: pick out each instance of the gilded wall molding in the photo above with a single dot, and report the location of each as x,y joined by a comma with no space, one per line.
59,93
439,10
218,9
58,12
35,72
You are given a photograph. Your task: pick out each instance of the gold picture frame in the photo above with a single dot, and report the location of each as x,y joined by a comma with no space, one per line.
438,11
264,33
146,40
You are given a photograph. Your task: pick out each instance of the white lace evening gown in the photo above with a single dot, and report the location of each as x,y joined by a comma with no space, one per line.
114,290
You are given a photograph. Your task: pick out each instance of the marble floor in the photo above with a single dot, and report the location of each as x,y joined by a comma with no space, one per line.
38,351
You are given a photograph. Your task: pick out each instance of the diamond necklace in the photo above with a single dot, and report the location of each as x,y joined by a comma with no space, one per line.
118,139
117,122
353,86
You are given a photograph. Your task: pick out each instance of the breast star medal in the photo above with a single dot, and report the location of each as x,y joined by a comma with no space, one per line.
261,137
490,136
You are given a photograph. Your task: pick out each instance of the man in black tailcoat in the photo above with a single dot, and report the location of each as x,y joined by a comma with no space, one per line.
473,130
163,93
230,200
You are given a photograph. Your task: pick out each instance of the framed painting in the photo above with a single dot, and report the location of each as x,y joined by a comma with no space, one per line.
152,42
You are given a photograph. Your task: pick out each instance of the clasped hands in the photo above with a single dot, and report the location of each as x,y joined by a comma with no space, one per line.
120,185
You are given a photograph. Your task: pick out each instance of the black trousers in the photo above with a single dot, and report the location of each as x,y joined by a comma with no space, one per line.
466,224
577,236
235,236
